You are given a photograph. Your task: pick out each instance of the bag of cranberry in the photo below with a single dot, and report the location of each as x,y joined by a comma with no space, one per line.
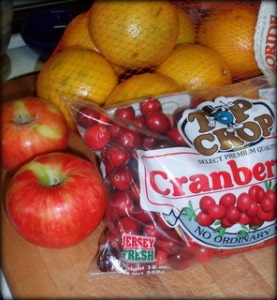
190,176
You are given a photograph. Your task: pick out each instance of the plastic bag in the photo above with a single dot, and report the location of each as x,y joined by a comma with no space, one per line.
190,176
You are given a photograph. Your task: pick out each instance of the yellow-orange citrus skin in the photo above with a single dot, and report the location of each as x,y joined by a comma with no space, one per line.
187,33
230,31
141,86
134,34
77,34
76,73
195,66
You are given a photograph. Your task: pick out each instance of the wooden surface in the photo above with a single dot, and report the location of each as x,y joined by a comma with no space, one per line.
36,272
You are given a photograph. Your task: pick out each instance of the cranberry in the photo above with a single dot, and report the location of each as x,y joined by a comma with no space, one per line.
127,225
122,203
180,261
197,102
127,113
244,219
97,136
225,223
255,222
161,258
265,216
269,216
158,122
244,202
232,214
121,178
217,211
268,203
104,119
177,115
106,258
256,193
140,121
114,129
176,137
203,255
252,210
205,203
163,143
148,142
227,199
117,156
87,117
113,240
204,219
128,139
150,229
150,105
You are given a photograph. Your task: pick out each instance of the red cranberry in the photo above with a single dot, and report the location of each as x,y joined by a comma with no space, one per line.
87,117
158,121
150,105
121,178
128,139
97,136
127,113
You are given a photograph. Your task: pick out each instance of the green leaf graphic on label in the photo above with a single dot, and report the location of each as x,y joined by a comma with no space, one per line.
220,230
189,212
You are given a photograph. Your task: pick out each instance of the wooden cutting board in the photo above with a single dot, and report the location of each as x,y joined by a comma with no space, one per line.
35,272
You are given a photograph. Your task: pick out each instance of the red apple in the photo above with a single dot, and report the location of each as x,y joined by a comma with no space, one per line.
30,126
56,200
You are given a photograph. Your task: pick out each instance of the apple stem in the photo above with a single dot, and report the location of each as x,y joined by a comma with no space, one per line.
55,181
21,119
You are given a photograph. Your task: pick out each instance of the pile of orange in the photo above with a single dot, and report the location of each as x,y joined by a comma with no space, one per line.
123,50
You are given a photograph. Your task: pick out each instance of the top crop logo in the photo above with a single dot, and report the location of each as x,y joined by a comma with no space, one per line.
226,124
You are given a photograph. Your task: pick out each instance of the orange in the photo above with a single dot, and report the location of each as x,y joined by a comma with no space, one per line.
195,66
230,31
141,86
76,34
76,73
187,32
134,34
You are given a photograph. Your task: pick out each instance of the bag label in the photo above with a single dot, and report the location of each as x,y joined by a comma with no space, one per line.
265,38
232,155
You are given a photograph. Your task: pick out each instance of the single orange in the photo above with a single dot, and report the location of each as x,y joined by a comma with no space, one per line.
195,66
141,86
230,31
76,34
187,32
134,34
76,73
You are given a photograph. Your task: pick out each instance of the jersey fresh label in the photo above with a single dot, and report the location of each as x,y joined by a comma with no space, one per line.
138,249
221,192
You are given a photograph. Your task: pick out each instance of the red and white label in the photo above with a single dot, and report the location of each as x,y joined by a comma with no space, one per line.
265,38
173,181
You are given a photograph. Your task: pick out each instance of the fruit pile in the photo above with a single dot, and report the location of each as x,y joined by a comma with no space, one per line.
97,134
117,136
44,198
119,50
252,208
